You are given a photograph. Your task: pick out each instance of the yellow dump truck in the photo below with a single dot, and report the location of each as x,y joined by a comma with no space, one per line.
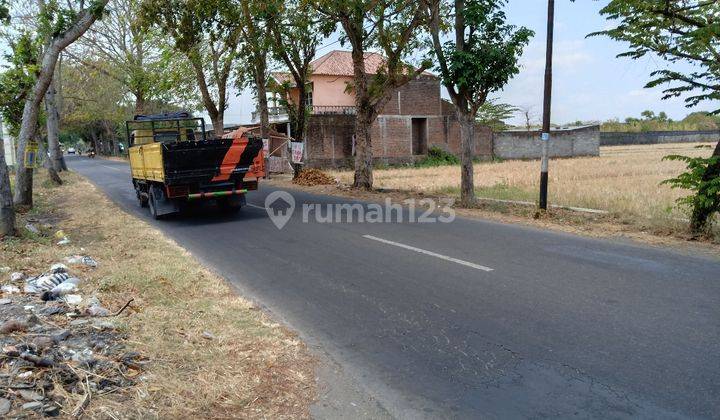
174,161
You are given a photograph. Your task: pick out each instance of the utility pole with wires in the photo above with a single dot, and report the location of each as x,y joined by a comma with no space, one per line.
545,136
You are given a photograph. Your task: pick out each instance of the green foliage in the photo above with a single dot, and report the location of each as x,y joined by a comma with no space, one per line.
488,56
696,121
438,157
494,115
685,31
704,185
4,12
18,79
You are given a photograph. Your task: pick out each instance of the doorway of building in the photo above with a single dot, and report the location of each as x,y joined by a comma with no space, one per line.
419,136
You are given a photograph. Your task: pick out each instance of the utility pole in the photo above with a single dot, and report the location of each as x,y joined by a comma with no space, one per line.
545,136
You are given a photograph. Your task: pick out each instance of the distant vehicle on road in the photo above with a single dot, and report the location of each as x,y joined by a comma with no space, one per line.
173,162
71,151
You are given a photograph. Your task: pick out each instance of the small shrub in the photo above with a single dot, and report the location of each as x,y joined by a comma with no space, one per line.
702,179
438,157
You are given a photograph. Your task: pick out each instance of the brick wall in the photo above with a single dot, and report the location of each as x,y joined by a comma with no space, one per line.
420,97
330,136
583,141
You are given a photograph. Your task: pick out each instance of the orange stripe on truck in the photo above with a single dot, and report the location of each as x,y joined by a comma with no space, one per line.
231,159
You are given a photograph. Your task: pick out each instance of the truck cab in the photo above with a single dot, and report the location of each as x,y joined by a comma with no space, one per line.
174,161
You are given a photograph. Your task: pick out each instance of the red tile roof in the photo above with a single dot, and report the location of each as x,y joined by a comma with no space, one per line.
339,63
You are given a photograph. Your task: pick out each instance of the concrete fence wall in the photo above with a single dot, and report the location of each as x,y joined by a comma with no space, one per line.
656,137
522,144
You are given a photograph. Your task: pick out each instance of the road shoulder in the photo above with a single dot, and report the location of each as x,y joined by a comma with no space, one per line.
211,353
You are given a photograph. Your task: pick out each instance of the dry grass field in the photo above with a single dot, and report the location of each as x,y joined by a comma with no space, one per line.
625,180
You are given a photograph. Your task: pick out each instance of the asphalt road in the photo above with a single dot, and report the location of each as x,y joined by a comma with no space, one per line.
563,326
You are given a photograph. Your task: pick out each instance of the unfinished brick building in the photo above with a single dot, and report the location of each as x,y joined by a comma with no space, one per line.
415,119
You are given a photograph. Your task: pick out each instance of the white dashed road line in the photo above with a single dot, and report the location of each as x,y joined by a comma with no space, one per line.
430,253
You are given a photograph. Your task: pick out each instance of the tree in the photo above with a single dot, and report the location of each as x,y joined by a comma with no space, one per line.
685,31
7,210
52,115
528,115
255,31
124,50
481,59
493,114
208,34
297,30
392,26
60,27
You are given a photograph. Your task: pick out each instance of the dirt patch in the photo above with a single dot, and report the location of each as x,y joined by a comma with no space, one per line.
210,353
312,177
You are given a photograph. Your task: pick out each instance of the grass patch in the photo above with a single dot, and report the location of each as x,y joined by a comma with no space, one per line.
252,368
499,191
437,157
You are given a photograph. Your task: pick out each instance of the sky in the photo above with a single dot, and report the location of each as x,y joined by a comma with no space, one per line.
589,84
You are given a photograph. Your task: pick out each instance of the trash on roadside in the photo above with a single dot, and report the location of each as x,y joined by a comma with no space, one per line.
97,310
73,300
45,282
17,276
43,344
58,268
60,234
32,228
10,289
81,260
68,286
64,241
4,269
208,335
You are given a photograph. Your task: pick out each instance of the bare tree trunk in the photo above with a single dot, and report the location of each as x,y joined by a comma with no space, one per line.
47,163
7,210
53,129
700,217
215,113
363,142
467,142
300,125
140,103
23,177
261,84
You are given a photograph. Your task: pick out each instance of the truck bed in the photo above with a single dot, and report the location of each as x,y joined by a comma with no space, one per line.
200,162
204,162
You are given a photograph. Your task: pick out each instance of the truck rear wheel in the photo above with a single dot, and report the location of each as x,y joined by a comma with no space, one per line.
142,200
153,207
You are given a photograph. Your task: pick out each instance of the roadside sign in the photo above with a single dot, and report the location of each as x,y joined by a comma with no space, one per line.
297,151
266,146
32,156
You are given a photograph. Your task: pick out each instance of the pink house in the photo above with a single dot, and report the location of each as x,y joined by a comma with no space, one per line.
414,119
